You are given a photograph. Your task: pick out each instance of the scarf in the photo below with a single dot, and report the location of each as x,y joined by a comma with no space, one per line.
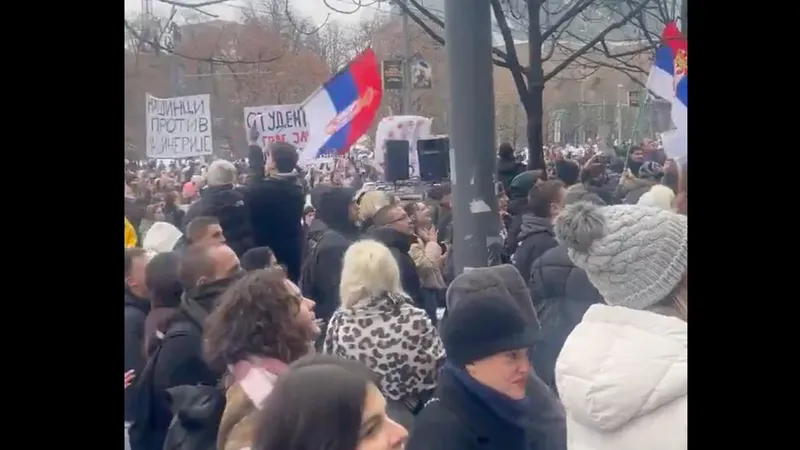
506,408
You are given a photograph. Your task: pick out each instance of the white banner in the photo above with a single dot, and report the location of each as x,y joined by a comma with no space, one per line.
285,123
179,127
408,128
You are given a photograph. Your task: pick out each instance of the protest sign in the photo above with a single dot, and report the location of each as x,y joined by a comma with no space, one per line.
179,127
278,123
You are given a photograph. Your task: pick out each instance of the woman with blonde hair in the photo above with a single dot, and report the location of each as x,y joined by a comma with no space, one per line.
378,325
622,373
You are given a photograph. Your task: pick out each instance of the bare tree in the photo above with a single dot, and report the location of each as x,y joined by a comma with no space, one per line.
587,33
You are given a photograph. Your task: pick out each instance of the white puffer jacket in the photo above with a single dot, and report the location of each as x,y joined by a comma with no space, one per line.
622,377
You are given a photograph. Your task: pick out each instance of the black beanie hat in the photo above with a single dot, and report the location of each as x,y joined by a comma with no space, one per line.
479,328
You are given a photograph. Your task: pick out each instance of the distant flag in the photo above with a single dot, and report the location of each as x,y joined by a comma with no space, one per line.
669,80
670,63
680,103
342,110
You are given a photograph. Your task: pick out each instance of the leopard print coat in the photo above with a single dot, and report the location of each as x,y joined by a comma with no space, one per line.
394,339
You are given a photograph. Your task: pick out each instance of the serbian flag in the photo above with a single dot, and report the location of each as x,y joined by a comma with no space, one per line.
342,110
680,103
669,63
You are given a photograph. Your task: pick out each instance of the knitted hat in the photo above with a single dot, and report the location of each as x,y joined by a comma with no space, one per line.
634,255
482,327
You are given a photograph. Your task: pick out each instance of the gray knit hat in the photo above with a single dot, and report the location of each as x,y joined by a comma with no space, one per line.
634,255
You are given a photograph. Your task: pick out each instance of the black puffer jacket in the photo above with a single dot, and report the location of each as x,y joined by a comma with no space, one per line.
536,236
561,294
228,206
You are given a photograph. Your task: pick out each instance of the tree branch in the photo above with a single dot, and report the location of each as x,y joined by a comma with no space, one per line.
299,29
193,5
212,60
589,45
512,60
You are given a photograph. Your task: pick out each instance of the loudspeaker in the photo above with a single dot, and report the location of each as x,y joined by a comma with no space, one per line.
395,167
434,159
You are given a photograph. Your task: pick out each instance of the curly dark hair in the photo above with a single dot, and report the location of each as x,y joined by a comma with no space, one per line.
255,316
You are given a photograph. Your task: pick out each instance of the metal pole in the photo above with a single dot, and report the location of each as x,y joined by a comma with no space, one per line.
406,65
468,33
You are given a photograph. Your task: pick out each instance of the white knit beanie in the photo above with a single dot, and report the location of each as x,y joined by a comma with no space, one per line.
634,255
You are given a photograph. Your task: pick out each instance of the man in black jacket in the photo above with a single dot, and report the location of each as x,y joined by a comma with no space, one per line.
136,308
206,272
536,234
223,201
275,204
392,227
330,234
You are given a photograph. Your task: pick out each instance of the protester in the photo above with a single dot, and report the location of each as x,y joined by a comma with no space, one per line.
372,302
518,205
258,258
136,308
130,234
441,212
368,204
622,373
206,272
536,233
561,293
165,289
480,398
393,229
327,403
507,165
308,216
261,325
275,204
545,422
225,203
205,231
427,254
333,230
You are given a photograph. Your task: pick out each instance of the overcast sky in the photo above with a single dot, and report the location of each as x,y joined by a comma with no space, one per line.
230,10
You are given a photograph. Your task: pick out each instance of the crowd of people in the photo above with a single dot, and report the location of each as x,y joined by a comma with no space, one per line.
264,313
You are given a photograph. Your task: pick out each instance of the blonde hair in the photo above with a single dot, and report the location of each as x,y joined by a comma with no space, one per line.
369,270
370,203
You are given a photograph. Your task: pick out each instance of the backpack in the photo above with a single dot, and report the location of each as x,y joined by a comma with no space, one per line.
141,432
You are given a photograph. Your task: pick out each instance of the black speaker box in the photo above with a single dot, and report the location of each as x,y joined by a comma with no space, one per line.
434,159
395,166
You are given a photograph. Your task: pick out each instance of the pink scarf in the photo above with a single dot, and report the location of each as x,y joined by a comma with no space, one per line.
257,376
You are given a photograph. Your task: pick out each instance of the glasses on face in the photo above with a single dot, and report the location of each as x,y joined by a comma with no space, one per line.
399,219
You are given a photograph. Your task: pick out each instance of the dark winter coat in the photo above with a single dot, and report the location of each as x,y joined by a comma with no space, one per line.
228,206
329,237
136,310
536,236
561,294
275,207
456,420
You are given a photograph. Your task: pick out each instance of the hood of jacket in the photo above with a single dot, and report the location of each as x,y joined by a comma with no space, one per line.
534,225
620,364
392,238
334,209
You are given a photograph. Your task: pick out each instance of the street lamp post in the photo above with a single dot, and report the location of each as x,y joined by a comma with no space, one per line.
619,113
